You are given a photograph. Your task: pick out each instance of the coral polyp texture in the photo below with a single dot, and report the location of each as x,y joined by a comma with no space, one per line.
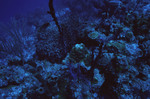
88,49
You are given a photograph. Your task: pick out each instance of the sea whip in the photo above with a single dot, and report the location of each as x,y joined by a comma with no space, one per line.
52,13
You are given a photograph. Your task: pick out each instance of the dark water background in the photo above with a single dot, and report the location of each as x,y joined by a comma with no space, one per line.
10,8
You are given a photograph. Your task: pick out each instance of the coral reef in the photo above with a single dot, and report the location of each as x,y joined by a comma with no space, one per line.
104,53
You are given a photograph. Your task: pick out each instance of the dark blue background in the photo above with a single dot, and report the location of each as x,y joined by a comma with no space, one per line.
9,8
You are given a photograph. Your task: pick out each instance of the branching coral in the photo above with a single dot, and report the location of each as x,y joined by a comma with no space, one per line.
15,43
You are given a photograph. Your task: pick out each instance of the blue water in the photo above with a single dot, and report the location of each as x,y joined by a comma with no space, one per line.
10,8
